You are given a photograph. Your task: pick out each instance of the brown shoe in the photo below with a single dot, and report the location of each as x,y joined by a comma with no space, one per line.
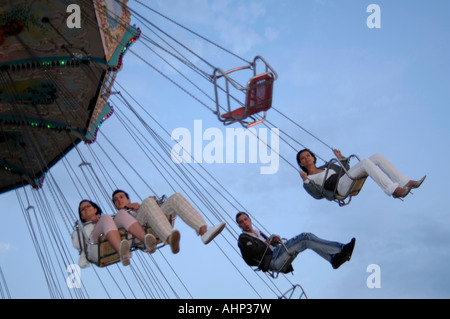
174,241
415,184
401,192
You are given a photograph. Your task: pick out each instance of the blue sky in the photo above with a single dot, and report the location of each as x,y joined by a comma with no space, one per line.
361,90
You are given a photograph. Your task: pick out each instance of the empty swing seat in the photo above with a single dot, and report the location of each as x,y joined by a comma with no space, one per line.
258,95
258,99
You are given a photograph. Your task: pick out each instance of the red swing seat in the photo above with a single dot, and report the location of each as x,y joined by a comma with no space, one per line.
258,95
258,99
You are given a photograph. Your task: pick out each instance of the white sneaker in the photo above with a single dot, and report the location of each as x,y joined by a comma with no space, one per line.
124,252
150,243
212,232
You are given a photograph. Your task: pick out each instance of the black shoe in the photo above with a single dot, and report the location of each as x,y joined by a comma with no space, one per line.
344,255
338,260
348,249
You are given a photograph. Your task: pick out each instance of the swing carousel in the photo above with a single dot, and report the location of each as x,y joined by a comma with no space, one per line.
58,86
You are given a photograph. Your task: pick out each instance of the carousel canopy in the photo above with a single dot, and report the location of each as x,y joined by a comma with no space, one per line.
58,61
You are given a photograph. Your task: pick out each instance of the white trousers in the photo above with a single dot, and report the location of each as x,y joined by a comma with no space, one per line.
157,217
380,170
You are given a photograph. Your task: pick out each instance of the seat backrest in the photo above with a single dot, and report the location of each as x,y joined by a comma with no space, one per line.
259,94
357,185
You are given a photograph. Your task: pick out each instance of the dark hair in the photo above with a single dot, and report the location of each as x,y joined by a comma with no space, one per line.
298,158
239,214
99,210
119,191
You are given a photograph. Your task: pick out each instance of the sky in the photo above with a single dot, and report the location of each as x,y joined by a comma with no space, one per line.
354,87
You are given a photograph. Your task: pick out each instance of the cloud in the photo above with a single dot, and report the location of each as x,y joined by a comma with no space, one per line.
233,25
271,34
5,246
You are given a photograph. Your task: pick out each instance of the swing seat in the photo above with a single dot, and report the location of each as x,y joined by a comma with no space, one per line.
357,185
258,99
105,253
291,292
258,95
287,265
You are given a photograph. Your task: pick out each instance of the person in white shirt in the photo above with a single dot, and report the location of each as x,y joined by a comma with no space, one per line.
96,224
392,182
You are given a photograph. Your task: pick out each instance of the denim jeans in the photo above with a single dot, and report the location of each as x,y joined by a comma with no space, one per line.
324,248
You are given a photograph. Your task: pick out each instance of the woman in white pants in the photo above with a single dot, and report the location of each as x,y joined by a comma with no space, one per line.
389,179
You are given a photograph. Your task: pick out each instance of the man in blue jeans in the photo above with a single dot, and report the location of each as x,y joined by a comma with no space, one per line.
268,254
